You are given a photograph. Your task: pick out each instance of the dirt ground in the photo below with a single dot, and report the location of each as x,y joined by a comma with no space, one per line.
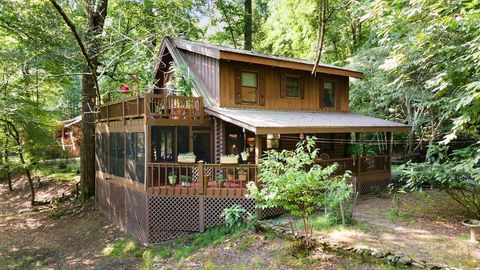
73,236
425,226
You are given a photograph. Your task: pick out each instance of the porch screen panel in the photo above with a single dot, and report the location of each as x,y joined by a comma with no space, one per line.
163,144
117,154
105,152
140,157
136,157
98,151
183,140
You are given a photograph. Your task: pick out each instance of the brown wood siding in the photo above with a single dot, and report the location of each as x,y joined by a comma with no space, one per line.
207,69
312,100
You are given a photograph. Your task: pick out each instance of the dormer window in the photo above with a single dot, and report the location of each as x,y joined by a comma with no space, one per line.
249,87
329,94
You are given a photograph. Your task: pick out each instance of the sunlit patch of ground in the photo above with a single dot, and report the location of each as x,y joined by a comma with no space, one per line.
424,225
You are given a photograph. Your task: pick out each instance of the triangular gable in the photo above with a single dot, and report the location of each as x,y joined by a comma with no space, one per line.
199,86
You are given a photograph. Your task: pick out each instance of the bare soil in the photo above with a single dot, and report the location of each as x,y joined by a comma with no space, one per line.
75,236
425,226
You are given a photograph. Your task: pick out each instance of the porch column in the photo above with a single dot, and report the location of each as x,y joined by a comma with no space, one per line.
258,148
389,149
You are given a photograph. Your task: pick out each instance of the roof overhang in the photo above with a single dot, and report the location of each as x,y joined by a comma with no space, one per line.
294,122
226,53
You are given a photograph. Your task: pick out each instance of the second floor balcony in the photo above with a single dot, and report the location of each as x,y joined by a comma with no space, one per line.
155,108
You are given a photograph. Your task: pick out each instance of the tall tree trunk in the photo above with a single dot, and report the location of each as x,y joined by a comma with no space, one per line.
248,25
96,15
322,21
87,139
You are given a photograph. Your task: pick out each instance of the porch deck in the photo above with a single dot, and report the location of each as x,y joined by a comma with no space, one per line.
203,176
154,107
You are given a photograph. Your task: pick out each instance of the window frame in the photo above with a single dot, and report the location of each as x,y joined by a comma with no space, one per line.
260,90
283,85
256,88
324,94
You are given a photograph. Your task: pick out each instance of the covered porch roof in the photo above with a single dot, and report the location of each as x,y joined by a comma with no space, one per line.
293,122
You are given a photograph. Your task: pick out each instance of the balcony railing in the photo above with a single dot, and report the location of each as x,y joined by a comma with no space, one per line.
154,107
202,177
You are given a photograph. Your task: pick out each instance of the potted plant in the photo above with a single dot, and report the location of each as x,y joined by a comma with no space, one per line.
242,174
220,180
185,180
245,155
231,174
229,159
186,158
172,178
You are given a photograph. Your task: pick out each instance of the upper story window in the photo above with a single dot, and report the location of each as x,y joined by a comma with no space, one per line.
329,94
291,86
249,89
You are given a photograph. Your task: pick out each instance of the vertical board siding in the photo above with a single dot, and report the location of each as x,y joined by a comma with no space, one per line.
273,100
207,69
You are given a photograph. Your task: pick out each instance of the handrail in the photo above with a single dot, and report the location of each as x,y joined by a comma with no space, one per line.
154,106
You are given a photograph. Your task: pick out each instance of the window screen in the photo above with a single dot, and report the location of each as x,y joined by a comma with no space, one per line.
136,156
249,87
292,86
328,94
162,144
183,140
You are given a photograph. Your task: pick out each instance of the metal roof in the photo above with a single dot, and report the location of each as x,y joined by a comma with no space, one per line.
213,50
294,122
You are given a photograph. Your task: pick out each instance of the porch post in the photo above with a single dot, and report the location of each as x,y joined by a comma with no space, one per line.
258,148
201,178
389,150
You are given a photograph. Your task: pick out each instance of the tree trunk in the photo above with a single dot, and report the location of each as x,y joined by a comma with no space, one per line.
91,49
87,140
16,136
248,25
322,20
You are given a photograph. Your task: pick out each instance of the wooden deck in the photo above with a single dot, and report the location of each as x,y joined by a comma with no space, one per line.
167,109
204,175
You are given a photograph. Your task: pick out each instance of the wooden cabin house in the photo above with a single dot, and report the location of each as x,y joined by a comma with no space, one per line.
242,104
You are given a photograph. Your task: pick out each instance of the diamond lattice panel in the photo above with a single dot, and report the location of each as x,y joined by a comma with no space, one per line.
117,203
215,205
371,185
136,215
173,213
102,196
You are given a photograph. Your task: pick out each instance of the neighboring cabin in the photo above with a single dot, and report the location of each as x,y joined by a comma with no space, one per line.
242,102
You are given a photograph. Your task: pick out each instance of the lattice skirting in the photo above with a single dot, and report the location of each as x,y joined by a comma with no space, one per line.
153,218
375,185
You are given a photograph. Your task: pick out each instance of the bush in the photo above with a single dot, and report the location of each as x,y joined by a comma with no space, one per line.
292,181
62,165
458,174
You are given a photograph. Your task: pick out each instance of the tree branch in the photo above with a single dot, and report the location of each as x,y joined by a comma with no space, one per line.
83,49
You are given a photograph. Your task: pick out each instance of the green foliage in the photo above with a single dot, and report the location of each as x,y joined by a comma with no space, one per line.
292,181
458,174
236,217
182,83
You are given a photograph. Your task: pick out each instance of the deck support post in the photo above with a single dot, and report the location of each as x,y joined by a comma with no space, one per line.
201,178
389,150
258,148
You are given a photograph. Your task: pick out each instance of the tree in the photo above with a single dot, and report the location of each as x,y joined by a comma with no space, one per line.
247,18
91,49
292,181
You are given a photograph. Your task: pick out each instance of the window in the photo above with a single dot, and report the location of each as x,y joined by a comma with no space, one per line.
162,144
117,154
136,156
329,94
249,87
292,86
183,140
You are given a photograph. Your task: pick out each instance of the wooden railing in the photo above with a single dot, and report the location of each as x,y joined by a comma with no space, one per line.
203,177
153,106
174,107
359,165
200,179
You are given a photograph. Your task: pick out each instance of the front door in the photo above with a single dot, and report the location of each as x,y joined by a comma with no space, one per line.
202,146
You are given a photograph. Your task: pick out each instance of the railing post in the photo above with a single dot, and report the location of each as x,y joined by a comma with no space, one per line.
359,165
201,178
